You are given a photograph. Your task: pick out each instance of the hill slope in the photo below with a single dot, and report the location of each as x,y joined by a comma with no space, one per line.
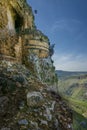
73,87
65,74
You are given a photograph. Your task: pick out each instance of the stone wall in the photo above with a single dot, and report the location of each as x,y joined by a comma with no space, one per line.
38,47
7,46
18,34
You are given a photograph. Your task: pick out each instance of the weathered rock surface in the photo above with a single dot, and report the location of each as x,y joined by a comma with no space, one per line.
3,104
27,74
31,105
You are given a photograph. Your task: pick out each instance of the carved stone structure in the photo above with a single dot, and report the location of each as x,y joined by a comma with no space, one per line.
18,34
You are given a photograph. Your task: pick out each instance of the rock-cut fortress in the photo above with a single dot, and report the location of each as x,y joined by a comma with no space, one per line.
19,36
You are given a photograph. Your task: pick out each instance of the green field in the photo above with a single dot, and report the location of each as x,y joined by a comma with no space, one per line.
74,89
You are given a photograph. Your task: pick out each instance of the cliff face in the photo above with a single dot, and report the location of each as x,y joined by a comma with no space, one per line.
20,40
27,74
16,14
18,25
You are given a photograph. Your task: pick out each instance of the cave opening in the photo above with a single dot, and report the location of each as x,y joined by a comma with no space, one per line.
17,20
18,23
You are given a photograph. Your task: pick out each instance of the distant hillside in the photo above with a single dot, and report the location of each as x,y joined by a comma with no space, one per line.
73,86
65,74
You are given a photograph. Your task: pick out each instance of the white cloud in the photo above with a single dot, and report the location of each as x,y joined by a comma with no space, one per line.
70,62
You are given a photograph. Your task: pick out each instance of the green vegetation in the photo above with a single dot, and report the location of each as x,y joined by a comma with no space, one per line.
78,105
79,122
73,88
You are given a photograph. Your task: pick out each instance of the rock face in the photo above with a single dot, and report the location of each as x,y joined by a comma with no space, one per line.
21,42
26,103
20,34
27,74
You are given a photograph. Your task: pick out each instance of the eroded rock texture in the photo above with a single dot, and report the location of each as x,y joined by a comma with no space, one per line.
18,34
27,74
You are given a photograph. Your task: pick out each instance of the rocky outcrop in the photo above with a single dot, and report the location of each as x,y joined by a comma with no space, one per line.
25,102
27,74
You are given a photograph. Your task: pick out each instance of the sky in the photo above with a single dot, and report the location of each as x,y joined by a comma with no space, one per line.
65,23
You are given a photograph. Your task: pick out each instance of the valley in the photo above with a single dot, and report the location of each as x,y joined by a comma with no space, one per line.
73,88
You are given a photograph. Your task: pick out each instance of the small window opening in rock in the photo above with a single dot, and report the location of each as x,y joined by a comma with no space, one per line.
39,51
41,39
26,42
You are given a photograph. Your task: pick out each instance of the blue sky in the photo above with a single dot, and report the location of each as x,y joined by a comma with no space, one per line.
65,23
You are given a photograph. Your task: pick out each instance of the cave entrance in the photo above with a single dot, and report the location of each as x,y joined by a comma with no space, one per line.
18,23
17,19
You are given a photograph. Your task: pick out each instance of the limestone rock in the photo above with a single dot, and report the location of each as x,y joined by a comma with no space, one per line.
34,99
23,122
21,37
31,106
27,74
